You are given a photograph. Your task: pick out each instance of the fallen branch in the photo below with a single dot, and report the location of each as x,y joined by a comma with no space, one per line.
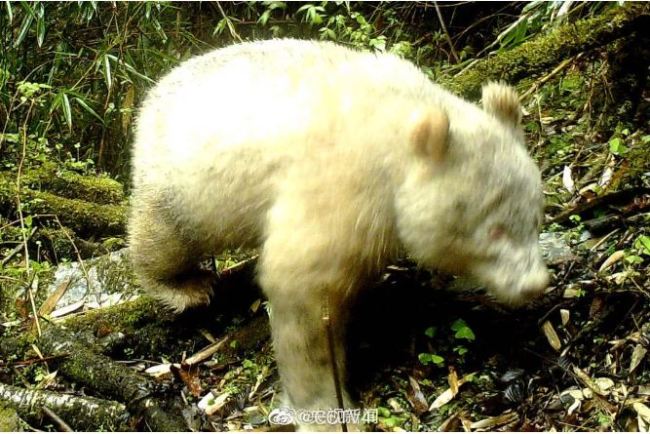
60,423
81,412
109,378
610,198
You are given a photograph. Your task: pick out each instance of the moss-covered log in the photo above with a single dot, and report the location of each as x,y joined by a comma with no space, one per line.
97,189
142,325
548,50
55,244
81,412
100,373
85,218
147,329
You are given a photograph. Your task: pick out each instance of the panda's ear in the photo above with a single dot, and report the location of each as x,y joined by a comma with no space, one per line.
502,101
429,134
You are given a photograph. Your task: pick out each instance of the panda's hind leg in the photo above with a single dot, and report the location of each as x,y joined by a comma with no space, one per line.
165,261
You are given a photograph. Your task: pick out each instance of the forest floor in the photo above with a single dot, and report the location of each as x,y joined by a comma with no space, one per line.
423,357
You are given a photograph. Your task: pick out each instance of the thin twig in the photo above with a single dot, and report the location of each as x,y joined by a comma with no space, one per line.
30,289
550,75
469,64
22,219
231,27
76,251
60,423
444,29
11,223
17,249
335,371
237,266
34,361
603,239
206,352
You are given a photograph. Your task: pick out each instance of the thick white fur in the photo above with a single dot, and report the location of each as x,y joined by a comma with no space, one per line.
503,102
322,156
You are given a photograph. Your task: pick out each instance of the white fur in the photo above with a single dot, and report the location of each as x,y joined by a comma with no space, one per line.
226,130
318,154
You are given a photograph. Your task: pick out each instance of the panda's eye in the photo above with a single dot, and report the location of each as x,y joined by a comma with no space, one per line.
497,232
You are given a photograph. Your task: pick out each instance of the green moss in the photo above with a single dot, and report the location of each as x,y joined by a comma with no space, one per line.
98,189
57,242
85,218
127,316
9,420
546,51
112,244
138,320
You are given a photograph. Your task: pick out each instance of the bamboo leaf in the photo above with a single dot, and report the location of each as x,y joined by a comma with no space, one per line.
220,27
24,28
67,112
40,31
264,18
89,109
28,9
107,71
130,68
56,102
10,13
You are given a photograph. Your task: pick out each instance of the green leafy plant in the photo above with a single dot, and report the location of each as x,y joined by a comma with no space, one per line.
429,358
312,14
617,147
642,244
462,330
430,332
